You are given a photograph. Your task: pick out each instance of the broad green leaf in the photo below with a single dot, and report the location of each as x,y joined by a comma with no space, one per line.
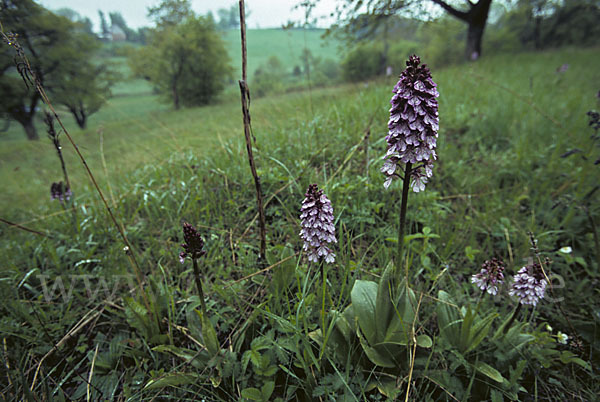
343,326
267,390
373,355
496,396
253,394
424,341
388,388
364,295
399,330
479,331
384,308
489,371
449,319
209,335
192,357
569,357
172,380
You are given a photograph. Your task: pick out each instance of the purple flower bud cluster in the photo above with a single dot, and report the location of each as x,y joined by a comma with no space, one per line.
563,69
529,284
318,230
193,246
413,125
60,191
490,276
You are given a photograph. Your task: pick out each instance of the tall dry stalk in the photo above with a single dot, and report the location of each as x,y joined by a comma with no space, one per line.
245,92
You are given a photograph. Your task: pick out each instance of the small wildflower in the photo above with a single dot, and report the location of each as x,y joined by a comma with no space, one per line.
563,69
529,284
548,328
413,125
193,246
565,250
59,191
562,338
490,276
318,230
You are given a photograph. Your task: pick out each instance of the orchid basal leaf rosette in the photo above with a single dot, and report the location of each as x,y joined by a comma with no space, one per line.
318,230
413,126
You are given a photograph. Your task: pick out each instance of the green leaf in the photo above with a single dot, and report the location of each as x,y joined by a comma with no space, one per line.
364,295
172,380
479,331
198,360
373,355
424,341
343,326
253,394
497,396
267,390
489,371
399,330
449,319
383,307
569,357
209,335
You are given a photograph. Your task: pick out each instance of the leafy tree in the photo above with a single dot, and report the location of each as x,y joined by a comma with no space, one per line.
103,25
268,77
83,86
376,12
362,62
84,23
187,63
170,12
56,51
116,19
229,18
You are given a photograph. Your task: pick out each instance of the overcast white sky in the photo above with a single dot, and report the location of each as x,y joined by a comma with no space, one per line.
263,13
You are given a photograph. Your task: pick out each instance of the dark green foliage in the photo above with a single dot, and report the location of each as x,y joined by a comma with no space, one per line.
187,63
362,63
60,55
268,77
170,12
117,20
229,18
364,60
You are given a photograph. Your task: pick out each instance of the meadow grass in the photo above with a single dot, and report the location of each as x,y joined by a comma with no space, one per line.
505,122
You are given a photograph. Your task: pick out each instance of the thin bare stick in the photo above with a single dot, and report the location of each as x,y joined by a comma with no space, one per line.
16,225
91,373
414,351
245,92
261,271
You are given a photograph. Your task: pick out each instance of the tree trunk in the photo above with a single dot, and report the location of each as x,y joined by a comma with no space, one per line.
474,38
30,130
475,18
80,116
175,97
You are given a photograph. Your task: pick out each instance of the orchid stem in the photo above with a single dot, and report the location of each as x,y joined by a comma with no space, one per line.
199,286
405,186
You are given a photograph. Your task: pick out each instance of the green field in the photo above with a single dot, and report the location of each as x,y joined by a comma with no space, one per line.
286,45
507,125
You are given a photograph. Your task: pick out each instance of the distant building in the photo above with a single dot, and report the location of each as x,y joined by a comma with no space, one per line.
117,34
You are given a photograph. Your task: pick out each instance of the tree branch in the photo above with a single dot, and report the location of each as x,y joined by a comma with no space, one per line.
461,15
